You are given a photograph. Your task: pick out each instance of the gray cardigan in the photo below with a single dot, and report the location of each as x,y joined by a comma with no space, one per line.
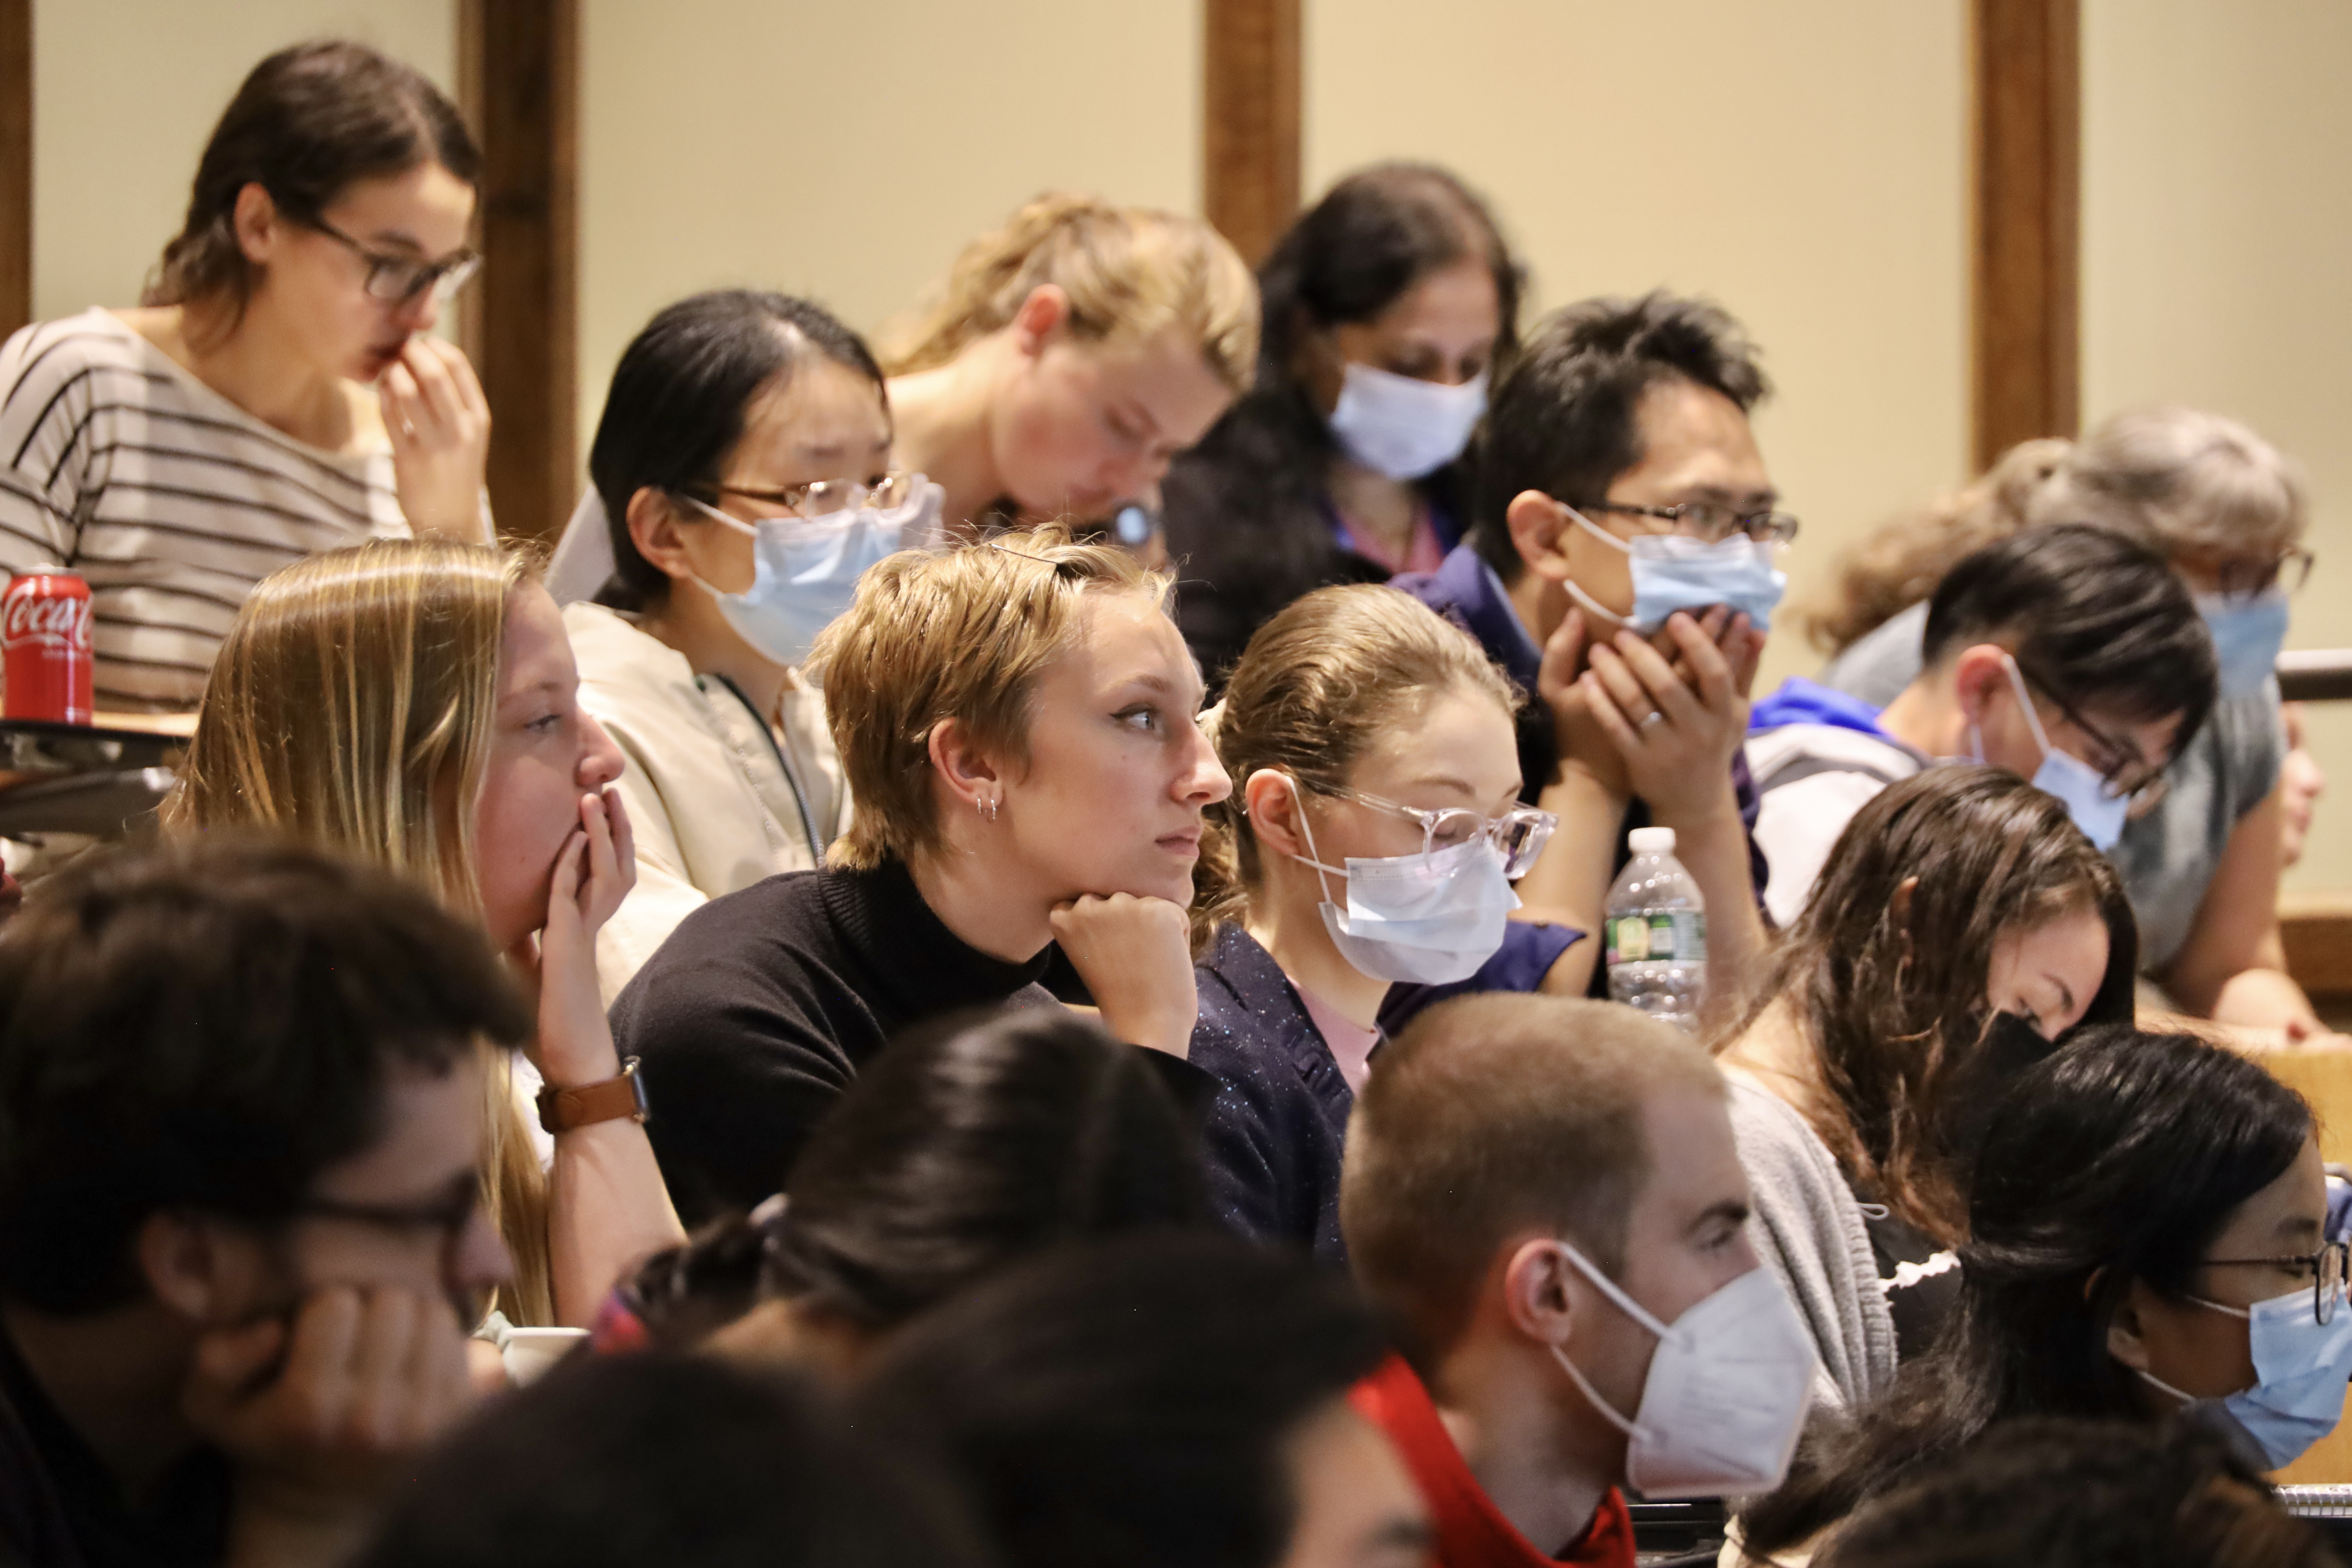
1809,1228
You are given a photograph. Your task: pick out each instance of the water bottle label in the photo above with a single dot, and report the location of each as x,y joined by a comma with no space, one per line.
1677,934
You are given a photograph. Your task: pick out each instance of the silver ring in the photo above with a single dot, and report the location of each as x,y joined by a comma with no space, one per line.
1654,716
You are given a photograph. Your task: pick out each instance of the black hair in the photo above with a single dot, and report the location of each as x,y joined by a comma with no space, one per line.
1565,420
962,1146
677,402
2083,1494
308,124
1129,1403
207,1025
633,1460
2118,1158
2100,624
1244,508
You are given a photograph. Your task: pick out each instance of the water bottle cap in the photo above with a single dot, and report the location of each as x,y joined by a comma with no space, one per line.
1651,840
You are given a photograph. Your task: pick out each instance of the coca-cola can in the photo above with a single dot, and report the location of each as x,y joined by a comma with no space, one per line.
45,643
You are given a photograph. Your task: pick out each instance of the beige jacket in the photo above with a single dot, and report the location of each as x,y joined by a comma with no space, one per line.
719,799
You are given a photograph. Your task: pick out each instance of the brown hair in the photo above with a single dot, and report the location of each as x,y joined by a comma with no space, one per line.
1129,272
1893,1009
961,633
2175,479
350,708
308,122
1317,685
1493,1116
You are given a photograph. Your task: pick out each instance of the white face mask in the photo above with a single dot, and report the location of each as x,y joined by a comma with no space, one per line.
1726,1394
2075,783
1401,425
1416,919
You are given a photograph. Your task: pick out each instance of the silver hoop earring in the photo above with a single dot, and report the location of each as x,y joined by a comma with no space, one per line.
987,804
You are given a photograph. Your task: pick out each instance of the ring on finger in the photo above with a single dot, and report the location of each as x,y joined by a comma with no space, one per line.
1654,716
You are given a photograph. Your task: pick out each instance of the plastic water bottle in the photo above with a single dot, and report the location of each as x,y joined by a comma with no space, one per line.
1657,926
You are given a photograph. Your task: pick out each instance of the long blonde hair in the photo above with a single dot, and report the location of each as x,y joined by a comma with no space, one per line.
350,708
1317,685
1128,272
2176,479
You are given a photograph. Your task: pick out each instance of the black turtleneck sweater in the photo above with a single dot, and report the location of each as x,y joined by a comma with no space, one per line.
762,1006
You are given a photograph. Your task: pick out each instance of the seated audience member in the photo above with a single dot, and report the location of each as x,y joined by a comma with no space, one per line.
632,1462
1398,729
240,1122
1065,359
2083,1494
2302,781
1156,1403
1016,724
1962,925
1619,567
2228,513
279,391
1389,304
1546,1193
2068,655
2144,1236
742,483
964,1146
412,703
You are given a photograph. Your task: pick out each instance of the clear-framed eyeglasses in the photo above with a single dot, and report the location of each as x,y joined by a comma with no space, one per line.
1711,521
2326,1265
823,498
397,279
1518,834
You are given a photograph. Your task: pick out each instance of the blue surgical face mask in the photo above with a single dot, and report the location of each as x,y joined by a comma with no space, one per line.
1675,572
2095,808
2248,630
805,569
2300,1369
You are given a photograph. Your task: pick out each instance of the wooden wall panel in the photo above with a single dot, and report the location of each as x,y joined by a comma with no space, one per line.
518,68
1249,126
15,165
2027,222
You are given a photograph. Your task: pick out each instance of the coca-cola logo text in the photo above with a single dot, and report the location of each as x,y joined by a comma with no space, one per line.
29,614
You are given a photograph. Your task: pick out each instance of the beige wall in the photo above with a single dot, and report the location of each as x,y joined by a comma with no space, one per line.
1801,162
125,92
846,151
2217,268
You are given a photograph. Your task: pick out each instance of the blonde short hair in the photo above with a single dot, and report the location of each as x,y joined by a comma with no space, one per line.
1129,273
963,634
350,708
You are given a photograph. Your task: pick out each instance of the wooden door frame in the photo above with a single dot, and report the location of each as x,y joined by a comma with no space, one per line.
2025,229
1250,76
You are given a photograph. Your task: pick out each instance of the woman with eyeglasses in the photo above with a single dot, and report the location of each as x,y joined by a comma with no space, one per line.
743,483
2228,513
1961,924
279,391
1390,306
1065,359
2146,1239
1372,839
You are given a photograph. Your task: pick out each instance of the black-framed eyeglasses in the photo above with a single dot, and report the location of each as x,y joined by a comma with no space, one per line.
1710,520
397,279
451,1215
822,498
2327,1267
2128,775
1518,834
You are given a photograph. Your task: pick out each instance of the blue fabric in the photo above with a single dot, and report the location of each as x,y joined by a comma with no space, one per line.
1276,1128
1803,701
1529,950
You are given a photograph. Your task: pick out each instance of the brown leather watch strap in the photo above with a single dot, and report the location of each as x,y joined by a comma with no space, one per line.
562,1109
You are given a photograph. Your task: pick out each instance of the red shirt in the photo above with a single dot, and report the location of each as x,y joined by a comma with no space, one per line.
1471,1531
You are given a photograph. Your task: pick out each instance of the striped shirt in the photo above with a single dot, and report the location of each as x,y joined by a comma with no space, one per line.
119,464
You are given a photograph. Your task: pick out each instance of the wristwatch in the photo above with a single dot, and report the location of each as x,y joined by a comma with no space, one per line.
562,1109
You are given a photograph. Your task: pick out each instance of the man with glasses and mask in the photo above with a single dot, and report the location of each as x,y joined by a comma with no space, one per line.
2068,655
1620,568
1547,1195
241,1125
